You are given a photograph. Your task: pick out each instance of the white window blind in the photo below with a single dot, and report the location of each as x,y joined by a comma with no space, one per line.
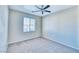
28,24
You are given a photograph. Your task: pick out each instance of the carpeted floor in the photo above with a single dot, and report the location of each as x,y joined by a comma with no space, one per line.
39,45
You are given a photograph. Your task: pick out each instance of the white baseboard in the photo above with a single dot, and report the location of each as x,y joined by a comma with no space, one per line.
22,41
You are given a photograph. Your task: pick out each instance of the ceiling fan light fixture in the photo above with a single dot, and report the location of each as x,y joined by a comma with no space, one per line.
42,9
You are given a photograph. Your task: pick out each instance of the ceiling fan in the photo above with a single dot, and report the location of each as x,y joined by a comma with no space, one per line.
42,9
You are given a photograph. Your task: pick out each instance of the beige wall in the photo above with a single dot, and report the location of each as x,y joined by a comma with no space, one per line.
16,27
62,27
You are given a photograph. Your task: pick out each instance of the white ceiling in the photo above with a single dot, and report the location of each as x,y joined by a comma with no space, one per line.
30,8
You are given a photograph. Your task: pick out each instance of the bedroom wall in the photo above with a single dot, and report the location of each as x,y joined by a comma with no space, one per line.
62,27
16,27
78,26
3,28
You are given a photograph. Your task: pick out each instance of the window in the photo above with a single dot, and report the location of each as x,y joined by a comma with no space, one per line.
28,24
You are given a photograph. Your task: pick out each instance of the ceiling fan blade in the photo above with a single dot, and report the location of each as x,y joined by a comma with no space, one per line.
46,6
47,11
37,7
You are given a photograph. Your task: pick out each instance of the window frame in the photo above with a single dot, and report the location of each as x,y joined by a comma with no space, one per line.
29,25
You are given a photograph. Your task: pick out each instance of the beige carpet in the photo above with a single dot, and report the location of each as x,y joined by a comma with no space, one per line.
39,45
